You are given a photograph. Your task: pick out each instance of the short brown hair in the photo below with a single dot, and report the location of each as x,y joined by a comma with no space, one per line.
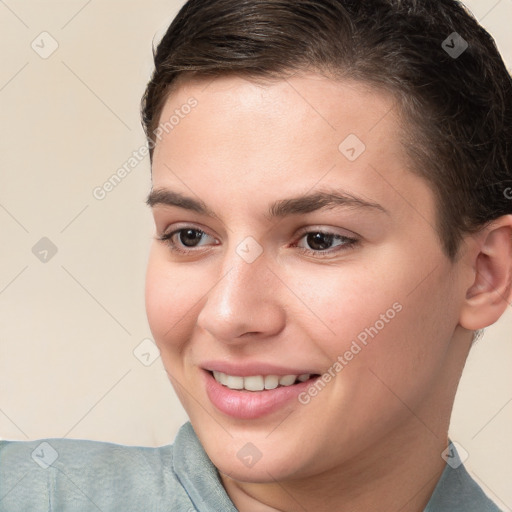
459,107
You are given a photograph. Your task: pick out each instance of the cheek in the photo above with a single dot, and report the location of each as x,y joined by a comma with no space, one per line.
172,299
403,332
340,305
379,320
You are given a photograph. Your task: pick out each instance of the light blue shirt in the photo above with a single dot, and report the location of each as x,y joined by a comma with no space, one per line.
80,475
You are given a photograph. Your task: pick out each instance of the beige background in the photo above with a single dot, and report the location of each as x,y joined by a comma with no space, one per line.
69,326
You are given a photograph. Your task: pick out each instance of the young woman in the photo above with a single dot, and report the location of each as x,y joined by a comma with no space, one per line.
330,189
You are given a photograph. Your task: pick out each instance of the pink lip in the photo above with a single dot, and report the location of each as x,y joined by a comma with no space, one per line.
249,369
248,405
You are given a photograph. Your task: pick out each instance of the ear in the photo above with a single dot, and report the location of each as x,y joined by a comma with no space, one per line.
490,261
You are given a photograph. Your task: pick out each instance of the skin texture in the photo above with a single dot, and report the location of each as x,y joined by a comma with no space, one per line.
372,438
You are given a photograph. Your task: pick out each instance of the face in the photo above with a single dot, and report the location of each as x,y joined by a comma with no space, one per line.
295,242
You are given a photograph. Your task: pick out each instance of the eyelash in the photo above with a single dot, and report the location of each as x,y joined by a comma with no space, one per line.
348,242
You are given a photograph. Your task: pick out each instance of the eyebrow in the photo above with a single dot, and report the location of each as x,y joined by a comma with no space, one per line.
308,203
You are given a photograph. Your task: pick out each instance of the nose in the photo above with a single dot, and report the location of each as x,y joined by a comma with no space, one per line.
244,303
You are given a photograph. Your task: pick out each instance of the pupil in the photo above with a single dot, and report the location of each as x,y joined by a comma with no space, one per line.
321,240
188,236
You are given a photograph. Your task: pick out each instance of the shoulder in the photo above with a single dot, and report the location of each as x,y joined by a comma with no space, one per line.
53,474
82,475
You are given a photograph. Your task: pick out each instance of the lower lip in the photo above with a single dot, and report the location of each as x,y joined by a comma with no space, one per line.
249,405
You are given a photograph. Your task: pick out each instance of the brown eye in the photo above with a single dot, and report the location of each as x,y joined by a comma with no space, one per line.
189,236
320,243
184,240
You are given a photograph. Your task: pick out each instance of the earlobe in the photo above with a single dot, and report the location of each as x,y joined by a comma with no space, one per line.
491,290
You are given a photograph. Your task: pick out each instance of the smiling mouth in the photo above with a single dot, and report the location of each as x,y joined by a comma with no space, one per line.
259,382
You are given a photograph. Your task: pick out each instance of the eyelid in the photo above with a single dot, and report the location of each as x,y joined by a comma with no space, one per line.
167,235
181,226
328,230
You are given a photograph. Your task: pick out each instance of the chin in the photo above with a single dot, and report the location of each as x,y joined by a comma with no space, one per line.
250,457
268,471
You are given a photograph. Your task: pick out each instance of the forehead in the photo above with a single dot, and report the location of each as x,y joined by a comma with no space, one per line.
288,135
280,110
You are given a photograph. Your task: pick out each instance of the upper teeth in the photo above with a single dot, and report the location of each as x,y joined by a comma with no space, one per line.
258,382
